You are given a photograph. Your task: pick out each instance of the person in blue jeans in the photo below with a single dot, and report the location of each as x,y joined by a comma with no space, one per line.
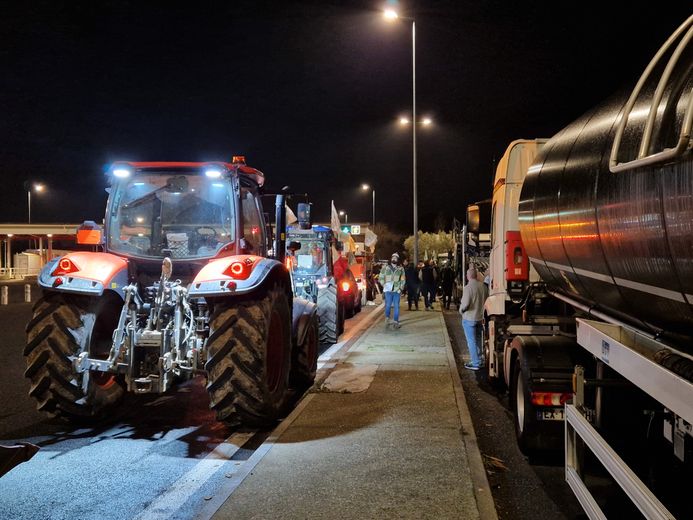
392,279
472,310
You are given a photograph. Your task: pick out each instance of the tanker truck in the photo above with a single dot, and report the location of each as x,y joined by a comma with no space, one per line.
589,320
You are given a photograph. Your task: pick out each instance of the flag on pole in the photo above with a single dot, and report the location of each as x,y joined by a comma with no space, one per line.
290,216
334,221
370,239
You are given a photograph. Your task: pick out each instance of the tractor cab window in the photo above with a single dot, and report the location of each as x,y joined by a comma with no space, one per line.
311,258
189,215
252,224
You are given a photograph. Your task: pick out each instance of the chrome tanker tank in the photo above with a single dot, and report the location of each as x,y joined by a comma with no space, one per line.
606,210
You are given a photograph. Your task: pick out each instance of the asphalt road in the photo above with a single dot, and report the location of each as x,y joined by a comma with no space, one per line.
166,455
157,457
520,490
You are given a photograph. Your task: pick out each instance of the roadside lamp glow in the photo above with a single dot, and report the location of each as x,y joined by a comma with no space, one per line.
403,121
390,14
426,121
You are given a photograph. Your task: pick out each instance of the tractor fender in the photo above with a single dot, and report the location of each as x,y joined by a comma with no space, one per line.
217,278
303,311
550,358
85,272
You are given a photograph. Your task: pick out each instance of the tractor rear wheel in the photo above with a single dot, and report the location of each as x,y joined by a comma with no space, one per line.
63,326
304,364
249,355
328,314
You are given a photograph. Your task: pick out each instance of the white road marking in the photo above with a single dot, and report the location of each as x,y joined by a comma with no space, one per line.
168,503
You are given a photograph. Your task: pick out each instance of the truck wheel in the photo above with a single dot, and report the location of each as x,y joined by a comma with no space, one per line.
66,325
523,410
328,314
249,354
304,363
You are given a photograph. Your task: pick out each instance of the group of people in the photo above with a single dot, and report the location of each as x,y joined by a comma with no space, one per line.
424,280
395,277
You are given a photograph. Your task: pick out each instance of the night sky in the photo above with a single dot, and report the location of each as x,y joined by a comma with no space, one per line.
309,92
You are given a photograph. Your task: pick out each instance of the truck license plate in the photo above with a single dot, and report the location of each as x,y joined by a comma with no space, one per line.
551,414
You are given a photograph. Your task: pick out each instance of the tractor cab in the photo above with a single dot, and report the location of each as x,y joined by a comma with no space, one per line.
184,211
312,263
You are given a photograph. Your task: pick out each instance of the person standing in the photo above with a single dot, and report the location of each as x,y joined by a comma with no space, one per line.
472,310
392,279
411,275
428,284
447,278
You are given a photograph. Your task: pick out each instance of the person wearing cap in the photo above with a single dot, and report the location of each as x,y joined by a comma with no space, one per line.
472,310
392,279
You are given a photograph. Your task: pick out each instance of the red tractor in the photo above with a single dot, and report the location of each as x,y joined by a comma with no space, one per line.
182,285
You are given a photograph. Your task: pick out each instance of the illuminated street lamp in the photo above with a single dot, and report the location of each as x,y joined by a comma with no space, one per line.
366,187
392,15
344,214
29,187
426,121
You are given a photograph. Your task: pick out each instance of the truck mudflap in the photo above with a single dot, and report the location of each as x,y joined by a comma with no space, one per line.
85,272
235,275
303,311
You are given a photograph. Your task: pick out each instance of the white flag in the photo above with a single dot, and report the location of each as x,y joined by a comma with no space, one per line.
334,220
290,216
370,239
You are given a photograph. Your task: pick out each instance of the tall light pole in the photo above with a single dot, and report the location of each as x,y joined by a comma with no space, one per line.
344,214
366,187
391,15
29,187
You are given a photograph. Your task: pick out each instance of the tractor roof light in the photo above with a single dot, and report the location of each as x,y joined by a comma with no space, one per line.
213,173
121,173
238,159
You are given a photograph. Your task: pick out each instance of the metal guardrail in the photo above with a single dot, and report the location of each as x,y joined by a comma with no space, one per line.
579,434
8,273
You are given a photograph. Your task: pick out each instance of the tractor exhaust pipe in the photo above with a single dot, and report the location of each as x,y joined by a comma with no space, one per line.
280,231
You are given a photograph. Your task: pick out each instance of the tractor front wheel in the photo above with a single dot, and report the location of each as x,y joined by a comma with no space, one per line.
249,355
64,326
328,314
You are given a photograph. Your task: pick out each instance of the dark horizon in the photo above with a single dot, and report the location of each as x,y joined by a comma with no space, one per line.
308,91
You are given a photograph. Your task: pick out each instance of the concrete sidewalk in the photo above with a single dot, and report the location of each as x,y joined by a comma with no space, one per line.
387,434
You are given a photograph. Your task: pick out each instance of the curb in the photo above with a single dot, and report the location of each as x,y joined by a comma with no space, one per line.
482,490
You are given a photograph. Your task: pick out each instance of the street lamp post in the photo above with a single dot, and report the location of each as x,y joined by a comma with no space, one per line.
344,214
29,186
393,15
367,187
